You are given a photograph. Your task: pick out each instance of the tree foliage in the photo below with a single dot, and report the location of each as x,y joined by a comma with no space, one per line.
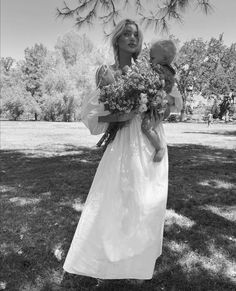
156,14
59,95
207,66
34,71
6,63
72,45
53,84
188,62
15,101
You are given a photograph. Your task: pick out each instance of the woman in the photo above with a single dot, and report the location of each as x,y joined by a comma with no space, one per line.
120,231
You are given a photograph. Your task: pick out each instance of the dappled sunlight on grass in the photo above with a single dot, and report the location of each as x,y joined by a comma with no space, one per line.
216,157
174,218
223,262
228,212
51,151
10,247
48,152
21,201
6,188
218,262
3,285
77,205
58,251
49,281
218,184
178,248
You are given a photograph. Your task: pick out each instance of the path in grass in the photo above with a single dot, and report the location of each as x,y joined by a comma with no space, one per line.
47,170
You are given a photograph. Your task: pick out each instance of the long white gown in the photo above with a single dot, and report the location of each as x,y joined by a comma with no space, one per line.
120,232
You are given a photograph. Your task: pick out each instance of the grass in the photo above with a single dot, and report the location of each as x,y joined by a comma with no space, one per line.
46,173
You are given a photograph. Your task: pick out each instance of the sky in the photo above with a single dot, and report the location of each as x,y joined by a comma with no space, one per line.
26,22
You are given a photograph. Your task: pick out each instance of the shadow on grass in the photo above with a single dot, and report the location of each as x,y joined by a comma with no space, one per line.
41,203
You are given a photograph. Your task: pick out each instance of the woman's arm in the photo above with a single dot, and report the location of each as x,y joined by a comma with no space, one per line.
117,117
153,137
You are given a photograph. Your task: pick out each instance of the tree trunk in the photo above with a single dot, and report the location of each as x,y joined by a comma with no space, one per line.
182,113
35,116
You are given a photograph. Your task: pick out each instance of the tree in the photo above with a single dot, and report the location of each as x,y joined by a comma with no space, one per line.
60,96
219,68
229,62
13,76
108,12
15,101
7,63
82,59
188,63
206,68
34,71
71,45
5,67
213,69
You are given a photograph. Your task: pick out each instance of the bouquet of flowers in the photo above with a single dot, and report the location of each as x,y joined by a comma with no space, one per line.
139,87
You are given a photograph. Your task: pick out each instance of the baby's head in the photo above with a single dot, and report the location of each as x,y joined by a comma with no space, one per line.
162,52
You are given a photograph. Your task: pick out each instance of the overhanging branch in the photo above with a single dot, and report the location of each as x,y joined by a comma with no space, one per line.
107,11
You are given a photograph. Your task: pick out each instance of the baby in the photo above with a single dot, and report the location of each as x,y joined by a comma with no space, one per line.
162,54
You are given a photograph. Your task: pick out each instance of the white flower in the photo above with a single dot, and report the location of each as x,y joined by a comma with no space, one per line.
143,98
142,108
141,87
158,99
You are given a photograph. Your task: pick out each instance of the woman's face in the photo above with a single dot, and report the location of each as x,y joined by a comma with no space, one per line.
128,40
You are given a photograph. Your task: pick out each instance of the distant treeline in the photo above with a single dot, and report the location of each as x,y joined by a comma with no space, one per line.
51,85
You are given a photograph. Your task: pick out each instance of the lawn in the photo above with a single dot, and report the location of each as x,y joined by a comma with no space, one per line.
46,172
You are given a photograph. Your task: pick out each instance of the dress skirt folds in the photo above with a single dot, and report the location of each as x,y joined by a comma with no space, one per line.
120,232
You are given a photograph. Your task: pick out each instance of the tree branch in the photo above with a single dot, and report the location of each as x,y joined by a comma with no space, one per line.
166,10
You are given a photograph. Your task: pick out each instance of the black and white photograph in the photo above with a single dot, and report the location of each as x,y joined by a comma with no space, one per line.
118,145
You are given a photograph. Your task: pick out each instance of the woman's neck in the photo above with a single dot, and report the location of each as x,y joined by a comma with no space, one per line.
124,59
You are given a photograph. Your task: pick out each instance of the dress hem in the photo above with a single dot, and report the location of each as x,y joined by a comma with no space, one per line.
104,277
107,277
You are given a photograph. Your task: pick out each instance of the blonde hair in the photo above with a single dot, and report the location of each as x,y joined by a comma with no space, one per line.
117,33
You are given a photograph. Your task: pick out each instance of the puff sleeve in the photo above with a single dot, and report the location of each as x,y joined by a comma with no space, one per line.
104,76
91,109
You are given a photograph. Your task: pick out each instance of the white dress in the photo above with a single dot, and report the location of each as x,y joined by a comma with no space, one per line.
120,232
